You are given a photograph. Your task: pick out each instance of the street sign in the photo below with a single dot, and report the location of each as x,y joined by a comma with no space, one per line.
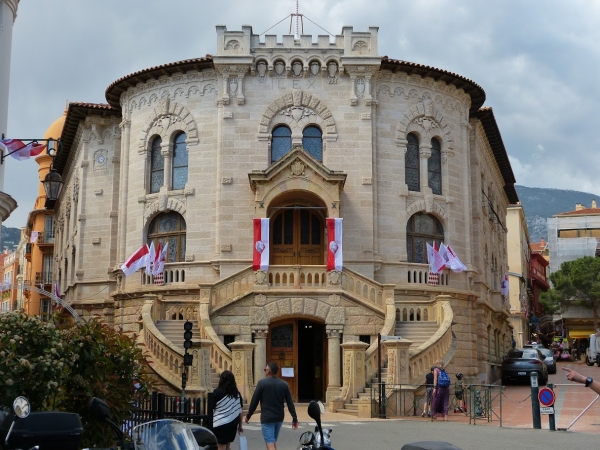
546,410
546,397
533,379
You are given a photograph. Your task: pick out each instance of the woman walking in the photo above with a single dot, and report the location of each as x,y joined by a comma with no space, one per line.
227,415
428,393
441,392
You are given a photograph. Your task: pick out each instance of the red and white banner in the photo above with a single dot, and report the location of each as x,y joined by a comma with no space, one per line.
260,258
19,150
504,285
334,244
436,262
450,258
136,261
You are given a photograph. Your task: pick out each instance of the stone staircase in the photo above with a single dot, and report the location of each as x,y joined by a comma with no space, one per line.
352,407
417,332
173,331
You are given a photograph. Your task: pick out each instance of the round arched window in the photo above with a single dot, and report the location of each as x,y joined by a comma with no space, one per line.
169,228
420,230
281,143
312,141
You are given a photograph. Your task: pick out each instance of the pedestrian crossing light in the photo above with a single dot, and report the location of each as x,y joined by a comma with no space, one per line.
187,335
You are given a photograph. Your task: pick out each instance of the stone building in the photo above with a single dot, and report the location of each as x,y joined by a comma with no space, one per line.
296,130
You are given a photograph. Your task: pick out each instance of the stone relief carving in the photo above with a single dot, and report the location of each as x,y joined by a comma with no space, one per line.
165,119
260,277
261,69
298,113
315,68
297,168
166,203
334,278
361,47
296,69
76,189
233,45
360,87
279,68
332,72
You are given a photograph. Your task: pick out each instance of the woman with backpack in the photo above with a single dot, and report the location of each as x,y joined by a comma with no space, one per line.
441,392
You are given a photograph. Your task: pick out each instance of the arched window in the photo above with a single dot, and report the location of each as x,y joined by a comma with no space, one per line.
411,163
421,229
169,228
157,166
180,162
434,167
281,143
312,141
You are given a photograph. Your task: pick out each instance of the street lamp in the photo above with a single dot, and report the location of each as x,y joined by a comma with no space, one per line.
53,184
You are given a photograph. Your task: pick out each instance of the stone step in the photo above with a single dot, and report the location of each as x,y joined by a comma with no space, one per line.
351,406
351,412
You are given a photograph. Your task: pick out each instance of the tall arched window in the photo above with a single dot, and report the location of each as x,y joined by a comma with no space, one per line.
157,166
169,227
421,229
281,143
312,141
434,167
180,162
411,163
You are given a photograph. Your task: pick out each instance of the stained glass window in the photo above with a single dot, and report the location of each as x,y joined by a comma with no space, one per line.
180,162
282,336
421,229
281,143
434,167
312,141
157,166
411,163
169,227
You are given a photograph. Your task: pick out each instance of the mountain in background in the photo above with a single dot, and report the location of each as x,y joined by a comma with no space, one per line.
10,238
540,204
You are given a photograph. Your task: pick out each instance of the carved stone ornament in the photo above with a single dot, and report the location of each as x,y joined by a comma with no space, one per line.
297,69
279,68
360,87
335,277
260,277
233,87
315,68
298,113
297,168
261,68
332,72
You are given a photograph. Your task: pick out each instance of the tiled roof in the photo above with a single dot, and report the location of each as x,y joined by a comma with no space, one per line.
475,91
114,91
581,212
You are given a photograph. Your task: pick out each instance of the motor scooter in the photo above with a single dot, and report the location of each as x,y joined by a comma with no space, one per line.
320,439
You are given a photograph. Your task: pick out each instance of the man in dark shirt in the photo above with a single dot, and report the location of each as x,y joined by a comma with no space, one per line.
271,393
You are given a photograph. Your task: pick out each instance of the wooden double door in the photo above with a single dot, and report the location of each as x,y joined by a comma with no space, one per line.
298,348
297,237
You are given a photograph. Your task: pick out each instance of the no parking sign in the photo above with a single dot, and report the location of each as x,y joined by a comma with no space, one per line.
546,398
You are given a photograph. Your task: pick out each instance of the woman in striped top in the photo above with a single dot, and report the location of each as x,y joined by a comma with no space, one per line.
227,415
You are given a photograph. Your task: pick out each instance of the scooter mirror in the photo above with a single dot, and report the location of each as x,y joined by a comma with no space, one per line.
99,409
314,412
21,407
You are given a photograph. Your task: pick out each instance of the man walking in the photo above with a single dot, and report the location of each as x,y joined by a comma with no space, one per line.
271,393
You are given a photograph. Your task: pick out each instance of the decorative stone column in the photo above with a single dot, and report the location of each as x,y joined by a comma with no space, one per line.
241,356
334,387
424,154
398,361
354,369
199,372
260,353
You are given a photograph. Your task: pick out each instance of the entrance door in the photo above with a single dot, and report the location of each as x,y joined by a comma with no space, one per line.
299,345
297,238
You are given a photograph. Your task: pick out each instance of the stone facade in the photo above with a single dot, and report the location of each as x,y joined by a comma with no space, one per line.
228,105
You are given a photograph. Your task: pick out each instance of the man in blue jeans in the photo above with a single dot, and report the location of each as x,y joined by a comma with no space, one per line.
271,393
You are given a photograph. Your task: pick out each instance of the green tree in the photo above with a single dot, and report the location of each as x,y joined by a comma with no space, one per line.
63,369
576,283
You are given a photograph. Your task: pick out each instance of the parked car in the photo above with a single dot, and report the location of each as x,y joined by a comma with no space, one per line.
549,359
519,363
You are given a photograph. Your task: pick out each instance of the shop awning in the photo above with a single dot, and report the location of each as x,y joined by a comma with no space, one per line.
580,334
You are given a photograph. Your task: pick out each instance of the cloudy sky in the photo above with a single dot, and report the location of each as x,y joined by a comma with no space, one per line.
537,61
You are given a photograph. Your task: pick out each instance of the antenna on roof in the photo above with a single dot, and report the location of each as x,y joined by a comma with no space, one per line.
298,17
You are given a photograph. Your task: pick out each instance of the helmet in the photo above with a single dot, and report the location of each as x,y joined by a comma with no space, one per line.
459,375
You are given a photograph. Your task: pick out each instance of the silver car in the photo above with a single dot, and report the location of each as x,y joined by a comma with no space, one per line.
549,359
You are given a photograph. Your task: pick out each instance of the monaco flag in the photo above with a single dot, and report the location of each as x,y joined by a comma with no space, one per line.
19,150
136,261
436,262
334,244
260,258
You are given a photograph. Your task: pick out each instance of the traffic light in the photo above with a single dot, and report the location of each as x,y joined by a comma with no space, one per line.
187,335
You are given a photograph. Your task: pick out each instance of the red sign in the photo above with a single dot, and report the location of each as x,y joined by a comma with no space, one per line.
546,396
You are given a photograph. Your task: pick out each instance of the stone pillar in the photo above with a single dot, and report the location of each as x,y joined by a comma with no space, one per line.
424,154
398,361
334,387
199,372
354,369
260,353
241,356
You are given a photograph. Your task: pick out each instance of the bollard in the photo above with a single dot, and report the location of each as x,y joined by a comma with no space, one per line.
535,402
551,419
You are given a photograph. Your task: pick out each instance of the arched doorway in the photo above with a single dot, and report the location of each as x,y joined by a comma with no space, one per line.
298,346
297,235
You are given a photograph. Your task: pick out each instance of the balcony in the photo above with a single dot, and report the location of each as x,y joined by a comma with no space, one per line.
28,248
45,239
43,278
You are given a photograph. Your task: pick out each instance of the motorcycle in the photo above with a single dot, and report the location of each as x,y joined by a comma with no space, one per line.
320,439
